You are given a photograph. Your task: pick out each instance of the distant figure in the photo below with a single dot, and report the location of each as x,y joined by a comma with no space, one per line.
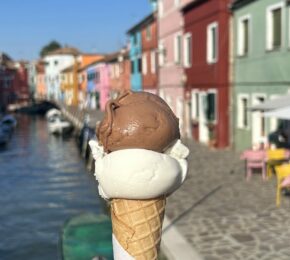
281,137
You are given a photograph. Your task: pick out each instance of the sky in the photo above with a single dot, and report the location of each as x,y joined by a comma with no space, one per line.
89,25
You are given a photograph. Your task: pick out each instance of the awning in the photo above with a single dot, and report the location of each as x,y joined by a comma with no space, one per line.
273,104
282,113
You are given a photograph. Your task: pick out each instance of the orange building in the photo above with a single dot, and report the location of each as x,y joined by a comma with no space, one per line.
41,92
74,77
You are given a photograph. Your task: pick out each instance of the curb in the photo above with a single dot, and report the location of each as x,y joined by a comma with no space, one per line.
174,246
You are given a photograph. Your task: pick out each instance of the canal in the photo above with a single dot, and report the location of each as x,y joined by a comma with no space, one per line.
44,182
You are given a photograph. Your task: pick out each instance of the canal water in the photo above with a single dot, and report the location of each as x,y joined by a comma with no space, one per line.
43,182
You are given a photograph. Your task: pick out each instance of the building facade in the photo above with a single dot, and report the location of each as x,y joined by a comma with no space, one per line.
55,62
170,48
262,59
7,76
102,81
135,54
206,61
40,81
149,53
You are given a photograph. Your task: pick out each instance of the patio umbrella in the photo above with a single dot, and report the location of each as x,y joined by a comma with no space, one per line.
271,104
281,113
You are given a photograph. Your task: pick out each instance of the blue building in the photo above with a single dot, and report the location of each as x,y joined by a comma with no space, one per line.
92,93
135,57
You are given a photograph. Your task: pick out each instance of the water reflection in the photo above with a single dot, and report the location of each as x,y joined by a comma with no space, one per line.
43,183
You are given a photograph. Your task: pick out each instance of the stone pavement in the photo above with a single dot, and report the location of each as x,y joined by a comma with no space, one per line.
223,216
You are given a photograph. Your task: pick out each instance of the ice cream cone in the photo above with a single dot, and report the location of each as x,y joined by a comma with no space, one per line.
137,225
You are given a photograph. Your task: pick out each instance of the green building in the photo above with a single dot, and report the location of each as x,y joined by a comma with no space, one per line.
261,68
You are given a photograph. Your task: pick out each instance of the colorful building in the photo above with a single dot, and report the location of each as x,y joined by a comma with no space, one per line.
84,60
261,67
119,72
73,77
56,61
32,75
135,54
7,76
102,80
20,81
206,60
170,40
40,81
92,95
149,52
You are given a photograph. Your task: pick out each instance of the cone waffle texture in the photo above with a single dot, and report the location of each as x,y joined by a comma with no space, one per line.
137,225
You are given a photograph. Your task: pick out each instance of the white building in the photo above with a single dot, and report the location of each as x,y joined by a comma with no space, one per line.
55,62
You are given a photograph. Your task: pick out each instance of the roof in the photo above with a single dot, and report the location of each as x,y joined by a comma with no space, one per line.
240,3
64,51
112,57
6,61
148,19
91,64
69,68
191,4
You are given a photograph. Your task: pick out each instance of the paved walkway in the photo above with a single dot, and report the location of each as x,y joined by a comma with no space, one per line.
225,217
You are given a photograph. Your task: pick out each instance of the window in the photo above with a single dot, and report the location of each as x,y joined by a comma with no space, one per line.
97,76
162,54
176,2
212,38
132,67
211,106
243,115
212,42
139,65
177,49
274,26
134,39
153,62
194,104
243,35
144,64
187,50
160,8
117,70
148,32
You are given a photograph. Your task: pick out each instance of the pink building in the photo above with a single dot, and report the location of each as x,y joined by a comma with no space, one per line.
102,82
171,42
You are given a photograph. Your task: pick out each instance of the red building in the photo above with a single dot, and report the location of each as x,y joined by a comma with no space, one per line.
20,83
7,76
206,61
149,45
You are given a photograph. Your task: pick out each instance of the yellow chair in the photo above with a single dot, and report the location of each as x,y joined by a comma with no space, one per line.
282,171
275,157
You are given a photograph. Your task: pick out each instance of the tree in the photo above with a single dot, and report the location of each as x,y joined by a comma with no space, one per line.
53,45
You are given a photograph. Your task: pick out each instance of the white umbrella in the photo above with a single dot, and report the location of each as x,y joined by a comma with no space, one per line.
270,104
282,113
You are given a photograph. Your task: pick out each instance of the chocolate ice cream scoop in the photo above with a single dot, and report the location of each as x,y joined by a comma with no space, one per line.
138,120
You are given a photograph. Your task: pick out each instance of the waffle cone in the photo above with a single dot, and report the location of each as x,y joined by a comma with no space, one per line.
137,225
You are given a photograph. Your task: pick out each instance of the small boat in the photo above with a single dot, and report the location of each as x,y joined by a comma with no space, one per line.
8,123
7,126
59,125
87,236
4,136
53,113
